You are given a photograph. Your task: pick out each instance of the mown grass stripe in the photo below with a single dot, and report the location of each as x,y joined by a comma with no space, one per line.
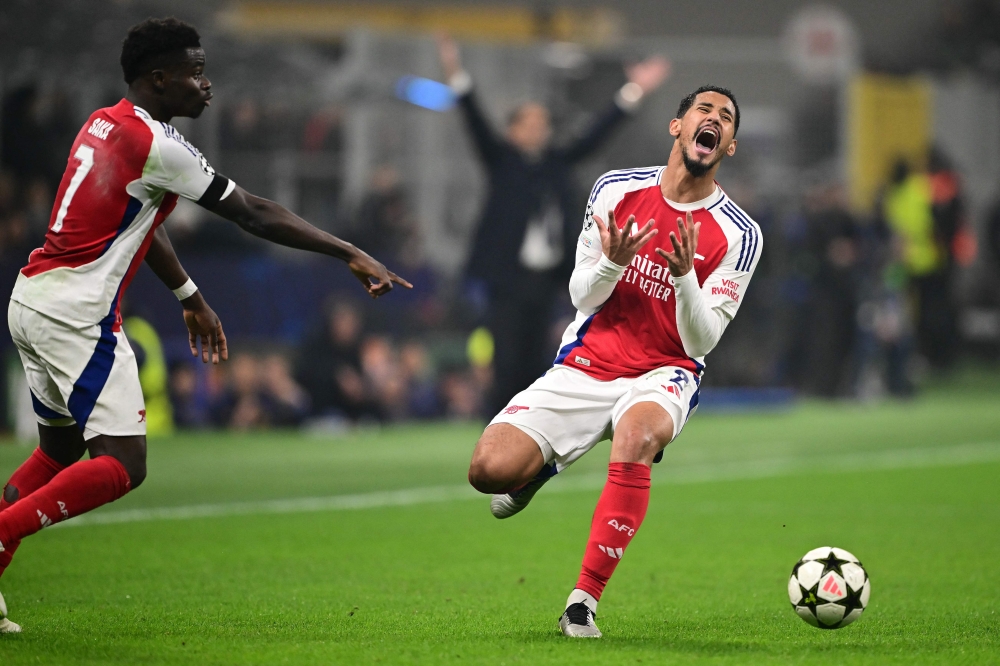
778,466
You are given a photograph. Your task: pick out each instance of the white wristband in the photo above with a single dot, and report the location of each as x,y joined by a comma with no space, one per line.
186,290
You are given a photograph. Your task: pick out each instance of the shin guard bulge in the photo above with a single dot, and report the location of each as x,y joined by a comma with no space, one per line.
79,488
617,518
33,473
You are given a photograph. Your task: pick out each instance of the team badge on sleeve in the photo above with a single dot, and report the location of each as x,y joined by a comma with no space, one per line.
588,218
205,166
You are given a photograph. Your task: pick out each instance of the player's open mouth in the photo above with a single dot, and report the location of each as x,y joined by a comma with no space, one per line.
706,141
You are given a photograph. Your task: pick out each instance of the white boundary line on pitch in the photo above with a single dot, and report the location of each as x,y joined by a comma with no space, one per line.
945,456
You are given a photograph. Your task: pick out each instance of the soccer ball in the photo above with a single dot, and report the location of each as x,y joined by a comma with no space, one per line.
829,588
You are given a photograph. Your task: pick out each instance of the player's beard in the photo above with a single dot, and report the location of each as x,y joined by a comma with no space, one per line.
696,168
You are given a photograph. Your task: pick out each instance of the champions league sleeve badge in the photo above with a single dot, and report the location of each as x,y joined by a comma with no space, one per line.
588,218
205,166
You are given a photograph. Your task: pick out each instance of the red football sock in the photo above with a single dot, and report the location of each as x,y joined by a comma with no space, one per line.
79,488
617,518
33,473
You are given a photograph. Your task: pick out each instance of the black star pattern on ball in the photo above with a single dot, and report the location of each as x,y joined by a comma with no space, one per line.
832,563
852,601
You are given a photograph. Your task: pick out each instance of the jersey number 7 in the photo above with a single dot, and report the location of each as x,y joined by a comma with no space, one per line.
86,156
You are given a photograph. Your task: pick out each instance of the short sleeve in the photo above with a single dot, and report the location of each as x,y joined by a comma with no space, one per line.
725,288
177,166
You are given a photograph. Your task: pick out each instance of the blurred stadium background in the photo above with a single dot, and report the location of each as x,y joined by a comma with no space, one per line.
870,156
865,364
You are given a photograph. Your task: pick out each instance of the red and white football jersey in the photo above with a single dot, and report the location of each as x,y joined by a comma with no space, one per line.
124,175
635,331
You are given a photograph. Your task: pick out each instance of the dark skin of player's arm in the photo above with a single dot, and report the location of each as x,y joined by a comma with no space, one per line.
179,88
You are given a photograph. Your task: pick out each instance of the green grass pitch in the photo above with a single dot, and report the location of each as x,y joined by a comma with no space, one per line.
206,564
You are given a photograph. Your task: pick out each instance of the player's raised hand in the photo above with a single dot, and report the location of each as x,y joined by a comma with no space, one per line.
621,245
649,74
681,260
375,277
203,324
451,62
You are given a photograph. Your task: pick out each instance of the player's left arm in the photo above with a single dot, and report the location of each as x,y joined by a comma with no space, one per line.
273,222
201,321
704,312
177,166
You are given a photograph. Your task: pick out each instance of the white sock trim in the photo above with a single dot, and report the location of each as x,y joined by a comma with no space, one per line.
578,596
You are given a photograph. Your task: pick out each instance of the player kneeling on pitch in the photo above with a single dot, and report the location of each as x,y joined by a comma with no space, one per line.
653,300
126,170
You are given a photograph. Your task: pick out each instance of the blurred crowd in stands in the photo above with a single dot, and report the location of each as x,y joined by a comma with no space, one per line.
865,304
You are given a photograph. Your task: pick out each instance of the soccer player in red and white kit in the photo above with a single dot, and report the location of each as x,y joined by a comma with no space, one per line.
126,170
653,299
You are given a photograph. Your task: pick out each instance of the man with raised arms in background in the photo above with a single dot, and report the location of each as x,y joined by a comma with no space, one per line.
652,302
126,170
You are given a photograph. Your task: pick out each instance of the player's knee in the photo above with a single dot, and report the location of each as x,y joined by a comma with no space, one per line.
485,475
136,470
638,444
487,471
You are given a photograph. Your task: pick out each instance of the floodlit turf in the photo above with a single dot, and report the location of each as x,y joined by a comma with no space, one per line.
912,489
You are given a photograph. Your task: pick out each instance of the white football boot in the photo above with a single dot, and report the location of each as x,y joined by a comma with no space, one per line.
6,626
505,505
577,620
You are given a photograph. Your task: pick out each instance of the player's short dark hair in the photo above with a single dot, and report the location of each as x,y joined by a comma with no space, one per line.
688,102
149,44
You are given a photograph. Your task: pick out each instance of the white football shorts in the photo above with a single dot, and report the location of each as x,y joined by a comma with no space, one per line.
85,376
567,412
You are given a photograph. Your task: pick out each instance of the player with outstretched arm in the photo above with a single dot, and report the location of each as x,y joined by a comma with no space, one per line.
126,170
653,299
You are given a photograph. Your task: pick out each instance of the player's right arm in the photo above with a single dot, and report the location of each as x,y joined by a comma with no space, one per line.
273,222
201,321
602,254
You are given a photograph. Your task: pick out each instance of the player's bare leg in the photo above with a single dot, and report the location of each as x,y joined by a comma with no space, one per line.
642,432
54,484
508,464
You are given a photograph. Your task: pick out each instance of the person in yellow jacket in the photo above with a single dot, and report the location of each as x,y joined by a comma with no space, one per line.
153,375
907,209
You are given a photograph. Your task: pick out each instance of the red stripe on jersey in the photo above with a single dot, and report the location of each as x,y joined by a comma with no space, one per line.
100,206
636,329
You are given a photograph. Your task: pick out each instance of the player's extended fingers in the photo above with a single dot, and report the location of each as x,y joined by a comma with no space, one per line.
678,248
694,236
613,230
642,236
213,341
398,280
645,239
688,229
669,256
602,231
627,231
205,347
193,343
223,346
